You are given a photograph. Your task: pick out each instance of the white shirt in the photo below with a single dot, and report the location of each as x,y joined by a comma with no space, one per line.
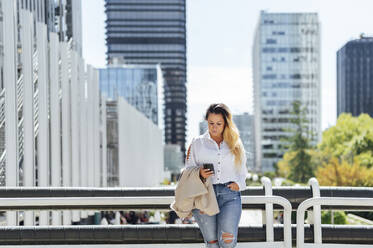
205,150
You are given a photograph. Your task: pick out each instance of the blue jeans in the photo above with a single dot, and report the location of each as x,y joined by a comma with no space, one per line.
220,230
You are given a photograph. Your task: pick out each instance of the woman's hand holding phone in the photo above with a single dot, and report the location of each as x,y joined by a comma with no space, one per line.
206,170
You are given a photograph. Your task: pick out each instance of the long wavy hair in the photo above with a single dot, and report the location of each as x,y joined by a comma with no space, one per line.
231,135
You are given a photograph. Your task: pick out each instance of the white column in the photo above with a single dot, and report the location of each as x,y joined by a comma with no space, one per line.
55,119
96,132
104,141
66,134
90,131
11,113
75,147
28,105
97,149
43,139
83,130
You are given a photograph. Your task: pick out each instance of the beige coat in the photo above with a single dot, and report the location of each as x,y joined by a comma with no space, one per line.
192,193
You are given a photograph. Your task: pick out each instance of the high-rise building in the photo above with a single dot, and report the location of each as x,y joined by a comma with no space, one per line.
173,159
61,16
74,23
245,125
355,77
286,68
203,127
153,32
140,85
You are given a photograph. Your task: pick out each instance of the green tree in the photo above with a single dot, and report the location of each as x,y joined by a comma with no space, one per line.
340,218
350,139
342,173
297,164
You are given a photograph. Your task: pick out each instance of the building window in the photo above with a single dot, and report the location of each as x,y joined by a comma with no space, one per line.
269,76
271,41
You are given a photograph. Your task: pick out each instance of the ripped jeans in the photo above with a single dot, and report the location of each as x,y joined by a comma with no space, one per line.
220,230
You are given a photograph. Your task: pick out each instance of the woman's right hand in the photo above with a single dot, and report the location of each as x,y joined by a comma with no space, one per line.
205,173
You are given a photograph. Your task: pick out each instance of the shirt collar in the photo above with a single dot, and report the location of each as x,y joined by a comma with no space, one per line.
207,135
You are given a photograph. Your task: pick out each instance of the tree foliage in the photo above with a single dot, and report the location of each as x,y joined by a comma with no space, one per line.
350,139
296,164
340,218
342,173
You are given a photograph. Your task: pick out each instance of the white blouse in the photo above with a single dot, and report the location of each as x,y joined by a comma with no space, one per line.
205,150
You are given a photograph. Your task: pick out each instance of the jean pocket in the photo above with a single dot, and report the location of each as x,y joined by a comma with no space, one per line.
231,190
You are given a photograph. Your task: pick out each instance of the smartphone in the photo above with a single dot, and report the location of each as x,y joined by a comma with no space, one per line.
209,166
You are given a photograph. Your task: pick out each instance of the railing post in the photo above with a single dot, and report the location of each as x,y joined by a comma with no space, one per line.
267,184
316,210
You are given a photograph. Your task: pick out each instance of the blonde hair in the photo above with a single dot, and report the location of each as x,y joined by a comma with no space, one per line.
231,135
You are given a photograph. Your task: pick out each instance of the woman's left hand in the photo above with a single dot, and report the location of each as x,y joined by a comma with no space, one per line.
233,186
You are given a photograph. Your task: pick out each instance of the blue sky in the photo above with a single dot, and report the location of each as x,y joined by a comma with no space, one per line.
219,42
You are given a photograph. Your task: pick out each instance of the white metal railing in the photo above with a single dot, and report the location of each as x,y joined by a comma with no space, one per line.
97,202
268,220
329,201
316,220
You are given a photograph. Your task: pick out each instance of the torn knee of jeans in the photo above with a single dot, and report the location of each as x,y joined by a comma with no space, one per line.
212,242
227,237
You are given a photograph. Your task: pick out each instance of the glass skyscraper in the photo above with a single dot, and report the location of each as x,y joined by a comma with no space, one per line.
141,86
153,32
245,125
355,77
286,68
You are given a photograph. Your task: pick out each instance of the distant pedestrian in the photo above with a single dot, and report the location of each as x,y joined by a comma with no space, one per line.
132,218
171,217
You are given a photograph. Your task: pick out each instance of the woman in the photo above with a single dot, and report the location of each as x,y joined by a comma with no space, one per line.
221,146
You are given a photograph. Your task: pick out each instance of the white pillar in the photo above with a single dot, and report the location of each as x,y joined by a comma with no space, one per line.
104,141
55,119
11,113
83,130
28,105
90,131
96,132
75,147
66,134
43,136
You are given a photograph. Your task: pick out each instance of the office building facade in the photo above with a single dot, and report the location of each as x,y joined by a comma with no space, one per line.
153,32
355,77
141,86
286,68
245,125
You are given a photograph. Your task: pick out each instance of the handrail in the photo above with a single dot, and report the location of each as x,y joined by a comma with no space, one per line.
275,200
328,201
267,184
119,202
314,184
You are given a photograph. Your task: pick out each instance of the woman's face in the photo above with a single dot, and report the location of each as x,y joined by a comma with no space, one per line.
216,124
